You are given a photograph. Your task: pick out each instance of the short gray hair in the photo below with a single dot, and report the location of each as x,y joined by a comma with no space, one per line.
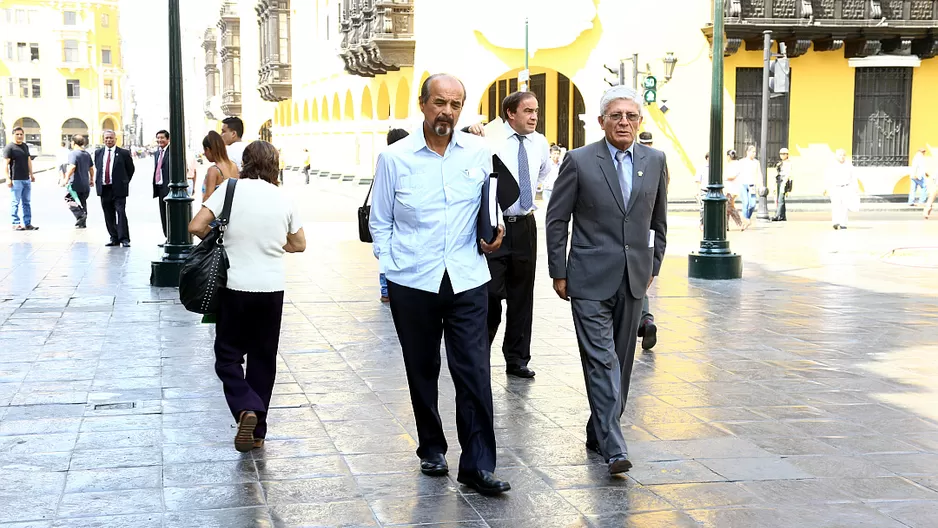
619,92
108,131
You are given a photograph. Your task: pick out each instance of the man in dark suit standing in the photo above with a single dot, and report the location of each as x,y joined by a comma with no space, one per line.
161,174
616,192
114,167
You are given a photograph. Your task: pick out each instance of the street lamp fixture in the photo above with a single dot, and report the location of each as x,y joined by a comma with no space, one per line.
670,61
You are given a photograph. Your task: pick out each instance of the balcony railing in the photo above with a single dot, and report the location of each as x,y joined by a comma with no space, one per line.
860,27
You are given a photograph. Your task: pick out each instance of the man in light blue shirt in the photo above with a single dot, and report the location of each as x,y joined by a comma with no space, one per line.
427,196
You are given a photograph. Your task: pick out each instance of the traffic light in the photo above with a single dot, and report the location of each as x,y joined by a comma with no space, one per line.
651,89
779,75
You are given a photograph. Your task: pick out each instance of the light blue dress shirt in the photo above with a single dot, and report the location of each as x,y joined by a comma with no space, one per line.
628,165
424,212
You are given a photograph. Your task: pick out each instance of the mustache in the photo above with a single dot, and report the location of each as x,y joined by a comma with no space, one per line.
444,119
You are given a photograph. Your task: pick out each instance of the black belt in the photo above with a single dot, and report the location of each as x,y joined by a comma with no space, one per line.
522,218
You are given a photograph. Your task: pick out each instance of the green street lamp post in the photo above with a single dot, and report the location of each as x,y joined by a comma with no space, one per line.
714,260
165,272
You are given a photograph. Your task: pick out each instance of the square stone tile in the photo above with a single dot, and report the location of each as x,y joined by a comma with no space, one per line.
601,501
113,479
706,495
213,497
349,514
91,504
754,468
674,472
309,491
240,517
423,510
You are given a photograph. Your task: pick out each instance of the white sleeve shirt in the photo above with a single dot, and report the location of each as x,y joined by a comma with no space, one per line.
538,151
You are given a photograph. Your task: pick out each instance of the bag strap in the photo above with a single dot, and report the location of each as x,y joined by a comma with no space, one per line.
367,196
229,196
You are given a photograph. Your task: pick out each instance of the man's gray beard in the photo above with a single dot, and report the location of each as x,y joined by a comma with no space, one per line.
442,129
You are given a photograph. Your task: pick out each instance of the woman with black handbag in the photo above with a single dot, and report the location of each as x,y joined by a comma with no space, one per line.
262,226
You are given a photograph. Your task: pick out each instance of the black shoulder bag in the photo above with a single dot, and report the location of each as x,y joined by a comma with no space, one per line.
364,216
205,271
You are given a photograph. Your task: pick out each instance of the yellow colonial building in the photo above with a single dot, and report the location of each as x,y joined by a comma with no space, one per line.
333,76
60,69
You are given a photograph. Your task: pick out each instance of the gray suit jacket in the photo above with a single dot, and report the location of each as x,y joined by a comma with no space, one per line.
610,238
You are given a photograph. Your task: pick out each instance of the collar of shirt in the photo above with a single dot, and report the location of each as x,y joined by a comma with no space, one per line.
613,150
420,140
512,133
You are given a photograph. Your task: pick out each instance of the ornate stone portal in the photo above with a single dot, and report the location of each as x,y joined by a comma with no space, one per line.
274,77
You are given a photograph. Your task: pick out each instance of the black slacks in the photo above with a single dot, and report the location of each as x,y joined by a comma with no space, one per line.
163,194
248,324
512,268
422,319
115,214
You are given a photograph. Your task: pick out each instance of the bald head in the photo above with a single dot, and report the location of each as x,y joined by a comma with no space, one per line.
441,101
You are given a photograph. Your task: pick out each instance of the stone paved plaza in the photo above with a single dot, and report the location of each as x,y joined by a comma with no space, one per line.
803,395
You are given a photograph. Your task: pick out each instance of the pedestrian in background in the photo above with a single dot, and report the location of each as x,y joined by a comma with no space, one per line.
394,135
232,130
782,185
306,165
555,158
842,187
161,175
77,181
917,178
702,179
731,187
18,164
213,147
750,174
263,225
115,168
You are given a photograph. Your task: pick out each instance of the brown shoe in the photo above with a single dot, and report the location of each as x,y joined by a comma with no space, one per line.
244,438
258,443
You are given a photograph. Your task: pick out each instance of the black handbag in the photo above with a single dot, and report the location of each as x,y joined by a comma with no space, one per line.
205,271
788,186
364,216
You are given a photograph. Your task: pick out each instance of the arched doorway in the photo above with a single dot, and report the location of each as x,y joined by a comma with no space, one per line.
559,115
71,127
109,124
31,130
265,133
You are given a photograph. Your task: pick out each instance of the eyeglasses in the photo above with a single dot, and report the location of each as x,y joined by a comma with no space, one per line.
617,117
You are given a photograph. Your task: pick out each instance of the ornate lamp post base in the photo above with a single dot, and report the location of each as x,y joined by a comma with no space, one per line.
714,267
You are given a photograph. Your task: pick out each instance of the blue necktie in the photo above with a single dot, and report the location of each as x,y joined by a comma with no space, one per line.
526,201
624,182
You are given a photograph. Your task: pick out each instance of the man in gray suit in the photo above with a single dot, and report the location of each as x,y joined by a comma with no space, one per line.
616,192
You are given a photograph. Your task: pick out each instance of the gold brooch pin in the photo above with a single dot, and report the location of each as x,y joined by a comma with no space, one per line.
640,173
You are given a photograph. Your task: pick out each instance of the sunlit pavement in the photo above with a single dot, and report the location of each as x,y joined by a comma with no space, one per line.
803,395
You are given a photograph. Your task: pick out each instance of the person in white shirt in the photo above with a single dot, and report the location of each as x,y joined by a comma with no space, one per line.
555,155
841,187
917,180
526,154
263,225
232,130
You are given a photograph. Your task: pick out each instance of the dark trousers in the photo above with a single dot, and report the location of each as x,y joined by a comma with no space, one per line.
115,214
422,319
780,203
512,268
163,194
80,208
248,324
606,334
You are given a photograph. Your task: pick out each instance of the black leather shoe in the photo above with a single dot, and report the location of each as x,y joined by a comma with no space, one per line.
520,372
619,464
483,482
648,331
434,465
594,447
112,244
125,244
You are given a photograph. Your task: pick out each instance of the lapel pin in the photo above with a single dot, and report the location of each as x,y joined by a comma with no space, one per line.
640,173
